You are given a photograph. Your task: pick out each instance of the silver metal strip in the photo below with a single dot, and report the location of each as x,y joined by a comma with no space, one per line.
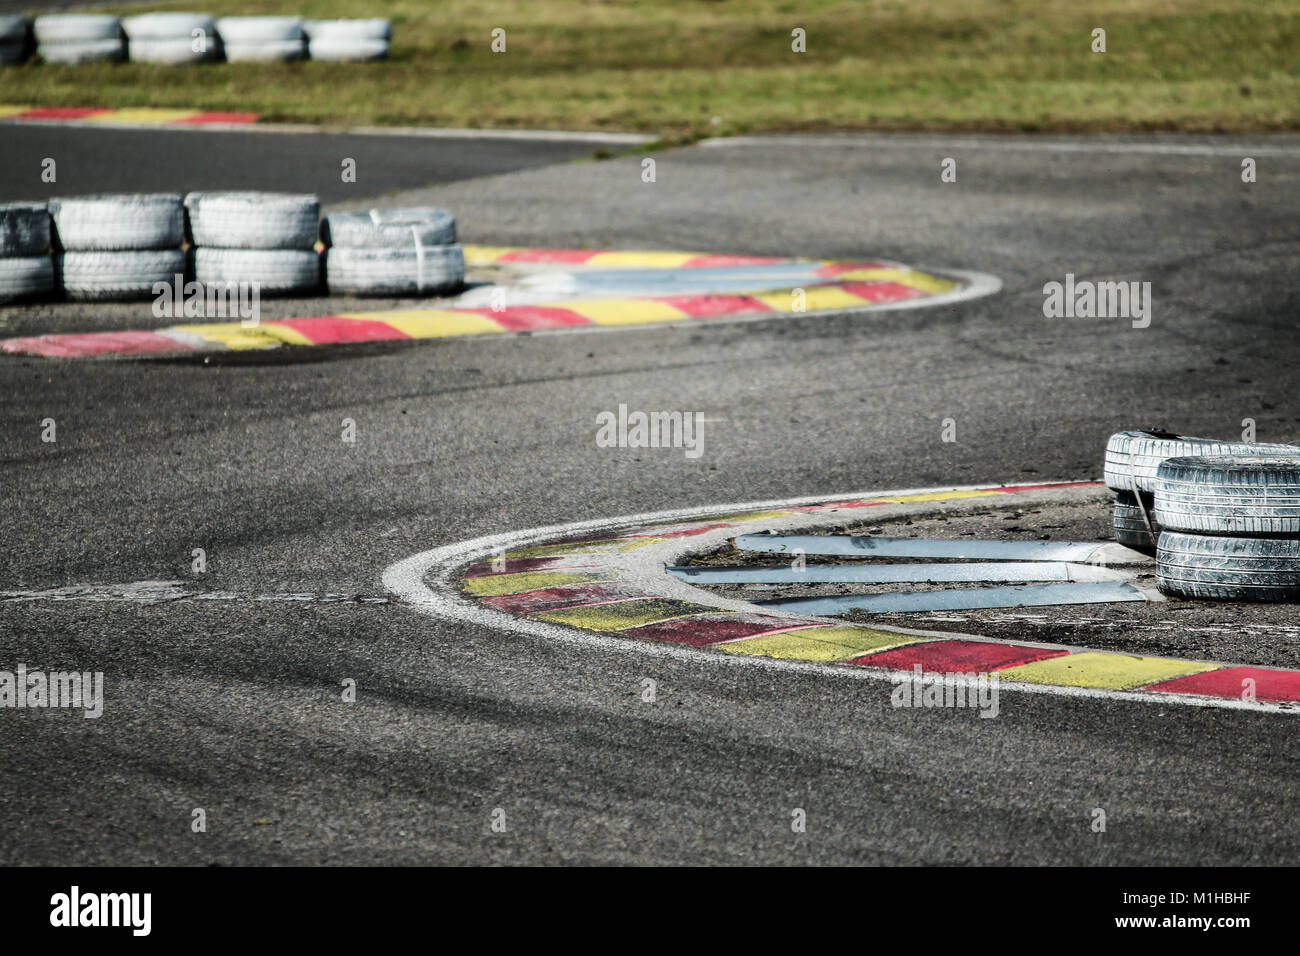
969,549
897,573
963,599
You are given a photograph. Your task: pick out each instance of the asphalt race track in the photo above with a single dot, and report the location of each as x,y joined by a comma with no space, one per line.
233,705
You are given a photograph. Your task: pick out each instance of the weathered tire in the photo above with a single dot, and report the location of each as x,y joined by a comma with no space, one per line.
348,30
168,26
1252,496
1228,569
274,271
1133,457
255,30
279,51
88,52
15,39
1130,530
14,29
24,229
389,228
105,276
175,51
111,222
254,220
76,28
427,271
347,51
26,277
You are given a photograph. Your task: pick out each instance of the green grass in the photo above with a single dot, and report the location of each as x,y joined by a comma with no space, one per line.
684,68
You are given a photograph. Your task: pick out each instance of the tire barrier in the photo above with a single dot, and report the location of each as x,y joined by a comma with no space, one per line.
114,247
264,239
1222,518
180,38
73,38
171,38
397,252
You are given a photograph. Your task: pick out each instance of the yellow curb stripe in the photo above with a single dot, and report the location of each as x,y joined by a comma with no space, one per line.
604,546
232,335
816,298
1101,670
15,110
941,496
750,516
834,643
621,615
142,115
908,277
430,323
286,334
491,585
485,255
642,260
623,311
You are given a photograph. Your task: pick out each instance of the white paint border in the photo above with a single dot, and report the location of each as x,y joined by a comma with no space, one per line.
440,598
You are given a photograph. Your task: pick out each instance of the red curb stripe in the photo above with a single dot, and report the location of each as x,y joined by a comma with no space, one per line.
63,112
716,261
956,656
201,118
532,318
516,565
883,291
549,255
698,306
706,629
561,596
839,268
333,329
1271,685
81,344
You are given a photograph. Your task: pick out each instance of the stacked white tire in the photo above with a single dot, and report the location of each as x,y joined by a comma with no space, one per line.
26,269
171,38
353,40
1132,461
266,240
262,39
117,247
15,39
393,252
1231,527
79,38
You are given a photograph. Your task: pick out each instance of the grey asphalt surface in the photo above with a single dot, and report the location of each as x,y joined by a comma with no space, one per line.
234,706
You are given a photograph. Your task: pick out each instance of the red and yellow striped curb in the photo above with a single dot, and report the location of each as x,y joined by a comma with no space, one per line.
578,582
144,116
836,285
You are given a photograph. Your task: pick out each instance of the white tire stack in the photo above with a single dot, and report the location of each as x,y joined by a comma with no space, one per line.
1132,461
116,247
393,252
1231,527
266,240
171,38
340,40
15,39
78,38
26,269
262,39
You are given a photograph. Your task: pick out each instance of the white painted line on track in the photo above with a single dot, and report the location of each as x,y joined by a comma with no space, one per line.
426,581
939,141
409,132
